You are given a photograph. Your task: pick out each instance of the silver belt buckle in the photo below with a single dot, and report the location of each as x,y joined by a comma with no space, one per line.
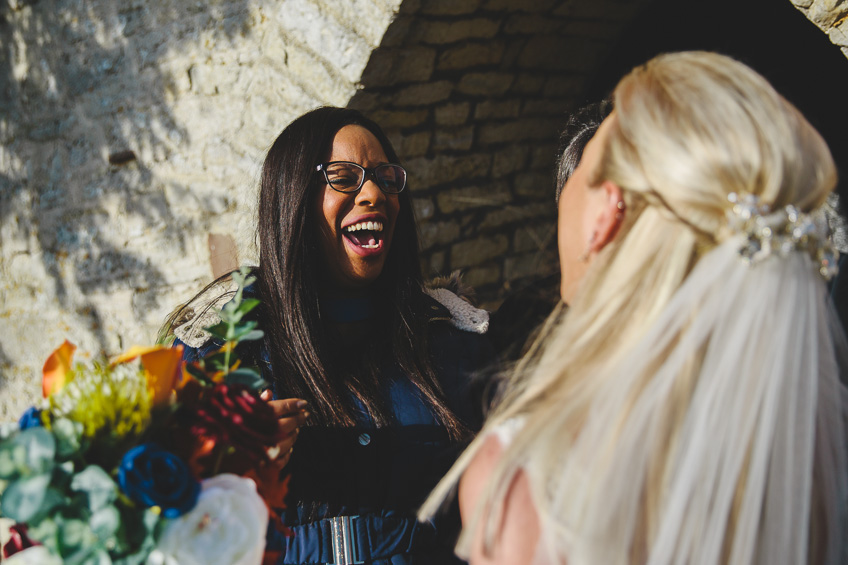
344,543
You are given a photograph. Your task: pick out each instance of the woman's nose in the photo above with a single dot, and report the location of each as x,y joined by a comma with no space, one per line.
370,193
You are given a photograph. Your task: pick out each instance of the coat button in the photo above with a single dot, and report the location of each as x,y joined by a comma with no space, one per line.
364,439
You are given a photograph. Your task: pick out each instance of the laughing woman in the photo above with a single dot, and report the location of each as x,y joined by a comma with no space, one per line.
382,363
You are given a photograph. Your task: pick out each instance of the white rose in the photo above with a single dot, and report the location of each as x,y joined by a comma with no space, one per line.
35,555
226,527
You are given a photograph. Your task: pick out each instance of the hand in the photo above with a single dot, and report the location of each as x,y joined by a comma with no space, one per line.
291,415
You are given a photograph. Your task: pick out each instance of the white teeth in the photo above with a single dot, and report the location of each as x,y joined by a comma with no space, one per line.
371,226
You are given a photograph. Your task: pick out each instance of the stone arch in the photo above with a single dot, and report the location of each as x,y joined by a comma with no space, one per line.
474,93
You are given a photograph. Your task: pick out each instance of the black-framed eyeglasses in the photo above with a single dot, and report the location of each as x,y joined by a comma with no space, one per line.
344,176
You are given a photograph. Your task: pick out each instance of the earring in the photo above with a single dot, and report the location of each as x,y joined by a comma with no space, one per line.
585,256
620,214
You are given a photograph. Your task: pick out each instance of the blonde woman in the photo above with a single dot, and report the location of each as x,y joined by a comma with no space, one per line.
688,409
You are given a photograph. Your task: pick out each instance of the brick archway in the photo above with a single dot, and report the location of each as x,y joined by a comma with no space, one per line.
474,93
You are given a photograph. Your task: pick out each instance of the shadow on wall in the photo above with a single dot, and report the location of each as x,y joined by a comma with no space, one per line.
772,37
84,119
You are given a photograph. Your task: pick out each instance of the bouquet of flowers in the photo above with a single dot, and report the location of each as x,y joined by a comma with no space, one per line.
147,459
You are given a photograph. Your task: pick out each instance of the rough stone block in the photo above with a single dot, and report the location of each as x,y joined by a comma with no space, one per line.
414,144
517,130
543,156
473,197
826,13
497,109
513,6
602,30
399,118
555,108
839,35
564,86
530,265
453,139
478,251
485,83
398,31
388,67
509,160
534,237
445,32
424,208
449,7
425,94
533,24
562,53
482,276
452,114
430,172
471,55
600,9
510,214
436,264
529,83
438,233
535,185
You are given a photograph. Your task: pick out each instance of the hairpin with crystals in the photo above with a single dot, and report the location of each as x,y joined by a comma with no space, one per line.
781,232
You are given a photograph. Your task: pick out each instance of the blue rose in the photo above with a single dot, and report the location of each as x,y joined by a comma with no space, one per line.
151,476
30,419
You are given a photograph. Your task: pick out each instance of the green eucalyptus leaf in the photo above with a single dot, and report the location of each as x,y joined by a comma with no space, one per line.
244,327
248,377
67,434
198,373
251,336
74,534
45,532
8,468
99,487
247,305
219,330
99,557
32,451
23,498
53,498
105,522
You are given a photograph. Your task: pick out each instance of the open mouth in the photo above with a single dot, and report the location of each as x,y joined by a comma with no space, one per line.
367,235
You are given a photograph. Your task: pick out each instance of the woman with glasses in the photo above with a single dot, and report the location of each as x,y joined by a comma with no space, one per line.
688,406
382,363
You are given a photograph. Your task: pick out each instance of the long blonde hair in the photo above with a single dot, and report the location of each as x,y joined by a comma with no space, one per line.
612,401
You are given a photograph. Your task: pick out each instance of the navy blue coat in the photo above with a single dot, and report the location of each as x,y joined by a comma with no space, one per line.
382,475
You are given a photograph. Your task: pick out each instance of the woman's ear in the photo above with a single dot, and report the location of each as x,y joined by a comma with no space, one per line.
610,213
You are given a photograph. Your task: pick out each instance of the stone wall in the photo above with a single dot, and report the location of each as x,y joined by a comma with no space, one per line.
831,16
130,134
474,94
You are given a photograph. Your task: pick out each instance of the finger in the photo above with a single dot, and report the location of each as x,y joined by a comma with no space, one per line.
288,407
288,426
266,395
283,459
287,443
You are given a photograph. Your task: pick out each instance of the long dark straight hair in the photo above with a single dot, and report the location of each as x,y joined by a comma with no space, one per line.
304,363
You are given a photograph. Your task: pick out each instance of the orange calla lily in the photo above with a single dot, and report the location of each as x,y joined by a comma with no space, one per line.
56,368
163,366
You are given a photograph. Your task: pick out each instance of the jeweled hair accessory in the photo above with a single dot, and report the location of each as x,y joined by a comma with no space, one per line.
781,232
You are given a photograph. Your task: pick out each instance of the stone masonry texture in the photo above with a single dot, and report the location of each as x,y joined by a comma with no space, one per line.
131,134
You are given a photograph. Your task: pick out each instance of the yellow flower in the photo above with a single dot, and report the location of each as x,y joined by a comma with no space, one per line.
105,400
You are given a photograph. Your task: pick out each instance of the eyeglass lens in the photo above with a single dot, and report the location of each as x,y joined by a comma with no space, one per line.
349,177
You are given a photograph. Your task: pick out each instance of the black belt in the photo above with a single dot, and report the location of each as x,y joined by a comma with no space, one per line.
347,540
